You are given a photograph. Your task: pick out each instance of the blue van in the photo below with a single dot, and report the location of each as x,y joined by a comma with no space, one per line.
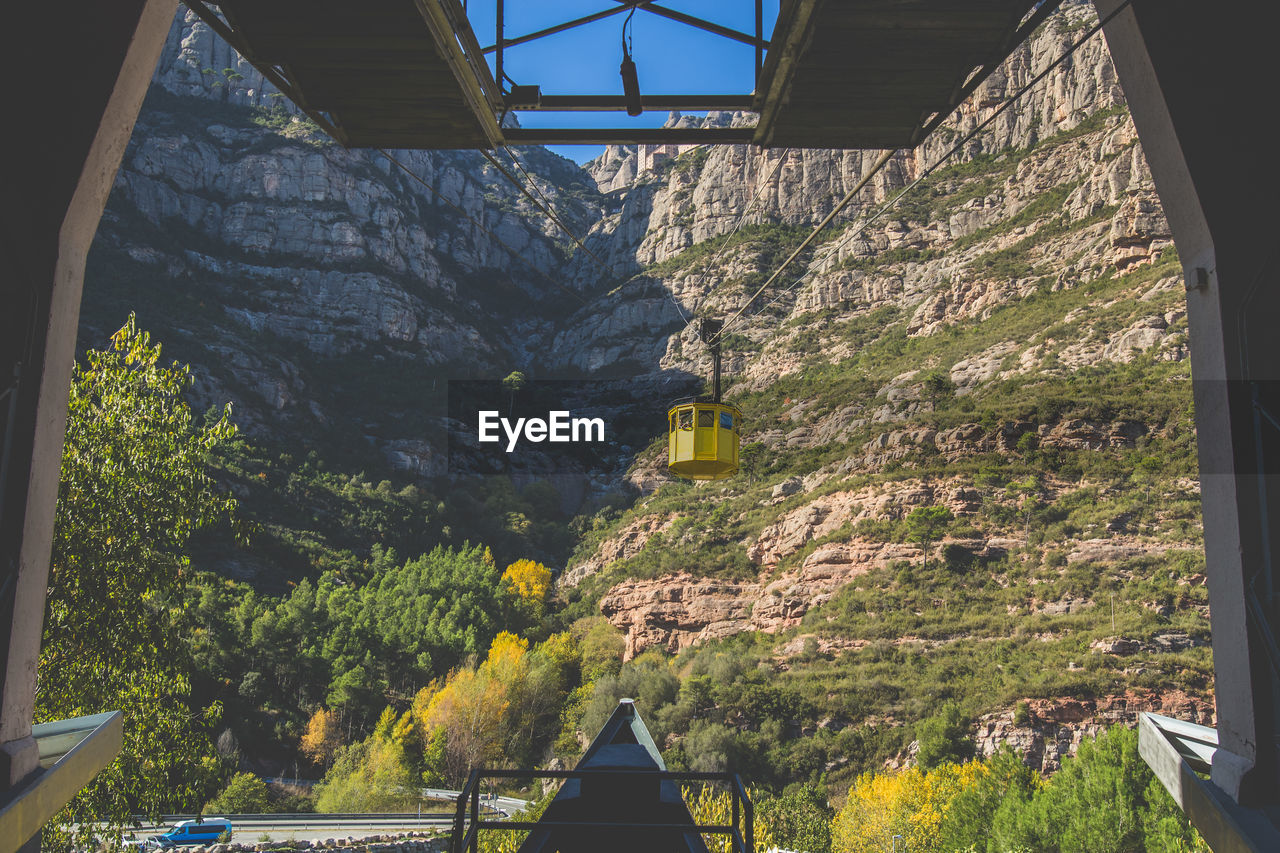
206,831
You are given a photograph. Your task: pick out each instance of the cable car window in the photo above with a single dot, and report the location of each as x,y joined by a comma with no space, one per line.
726,420
686,419
706,418
673,422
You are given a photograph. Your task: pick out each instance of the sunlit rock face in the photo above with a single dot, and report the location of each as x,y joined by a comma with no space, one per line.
285,268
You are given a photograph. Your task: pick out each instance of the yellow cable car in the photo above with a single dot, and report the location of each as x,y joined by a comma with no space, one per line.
702,436
703,440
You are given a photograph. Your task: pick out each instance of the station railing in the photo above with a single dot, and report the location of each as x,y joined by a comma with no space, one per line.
468,822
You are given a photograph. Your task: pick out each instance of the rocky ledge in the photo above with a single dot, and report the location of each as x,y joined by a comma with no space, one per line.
677,611
1047,730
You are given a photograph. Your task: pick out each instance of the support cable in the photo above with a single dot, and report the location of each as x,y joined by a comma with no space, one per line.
844,202
742,217
515,161
404,168
862,226
551,214
565,228
545,208
884,208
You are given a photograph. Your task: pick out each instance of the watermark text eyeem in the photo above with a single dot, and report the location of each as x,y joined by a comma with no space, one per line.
558,427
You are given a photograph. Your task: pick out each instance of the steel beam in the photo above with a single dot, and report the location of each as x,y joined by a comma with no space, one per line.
718,29
625,136
559,28
613,103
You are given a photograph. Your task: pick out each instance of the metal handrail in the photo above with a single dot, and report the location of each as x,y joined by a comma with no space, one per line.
743,809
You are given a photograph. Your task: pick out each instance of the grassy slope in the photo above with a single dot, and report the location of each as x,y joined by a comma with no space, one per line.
902,638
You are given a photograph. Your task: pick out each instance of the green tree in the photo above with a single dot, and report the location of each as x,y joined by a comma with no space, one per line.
1146,473
966,824
1106,798
925,524
132,493
1029,502
602,648
244,794
371,776
936,386
944,737
514,381
799,819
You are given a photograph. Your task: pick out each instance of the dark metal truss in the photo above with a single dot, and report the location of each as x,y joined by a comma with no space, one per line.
528,98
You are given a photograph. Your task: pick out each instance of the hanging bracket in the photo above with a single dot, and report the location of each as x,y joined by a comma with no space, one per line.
709,332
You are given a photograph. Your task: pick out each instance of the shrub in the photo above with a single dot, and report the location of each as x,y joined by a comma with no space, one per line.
244,794
1105,798
800,819
944,737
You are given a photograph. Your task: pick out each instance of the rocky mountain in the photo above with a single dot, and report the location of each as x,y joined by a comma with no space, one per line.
1006,340
350,257
672,200
272,259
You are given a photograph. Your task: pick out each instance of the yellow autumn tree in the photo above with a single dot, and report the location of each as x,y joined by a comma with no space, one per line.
529,580
397,729
712,806
323,737
470,708
911,804
370,776
373,775
506,660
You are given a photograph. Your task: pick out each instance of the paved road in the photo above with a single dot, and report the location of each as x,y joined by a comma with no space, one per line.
506,805
318,827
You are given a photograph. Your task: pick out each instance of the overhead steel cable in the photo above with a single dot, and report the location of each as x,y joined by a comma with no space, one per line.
560,223
550,212
826,220
545,208
742,217
884,208
687,318
477,223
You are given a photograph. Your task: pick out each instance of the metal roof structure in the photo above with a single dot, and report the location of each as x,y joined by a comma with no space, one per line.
881,73
412,73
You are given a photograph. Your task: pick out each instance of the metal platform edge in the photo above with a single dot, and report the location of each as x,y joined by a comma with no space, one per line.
1175,750
72,752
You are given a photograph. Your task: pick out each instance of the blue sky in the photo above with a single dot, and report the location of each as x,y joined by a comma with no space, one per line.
671,57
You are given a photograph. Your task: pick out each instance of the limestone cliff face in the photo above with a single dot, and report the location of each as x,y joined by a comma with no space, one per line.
277,252
804,558
343,255
689,205
197,63
294,254
670,199
323,289
1055,198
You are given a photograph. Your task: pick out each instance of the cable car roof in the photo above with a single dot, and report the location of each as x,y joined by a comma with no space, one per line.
833,74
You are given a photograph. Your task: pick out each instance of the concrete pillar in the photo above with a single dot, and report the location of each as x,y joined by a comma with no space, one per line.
1193,75
77,76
